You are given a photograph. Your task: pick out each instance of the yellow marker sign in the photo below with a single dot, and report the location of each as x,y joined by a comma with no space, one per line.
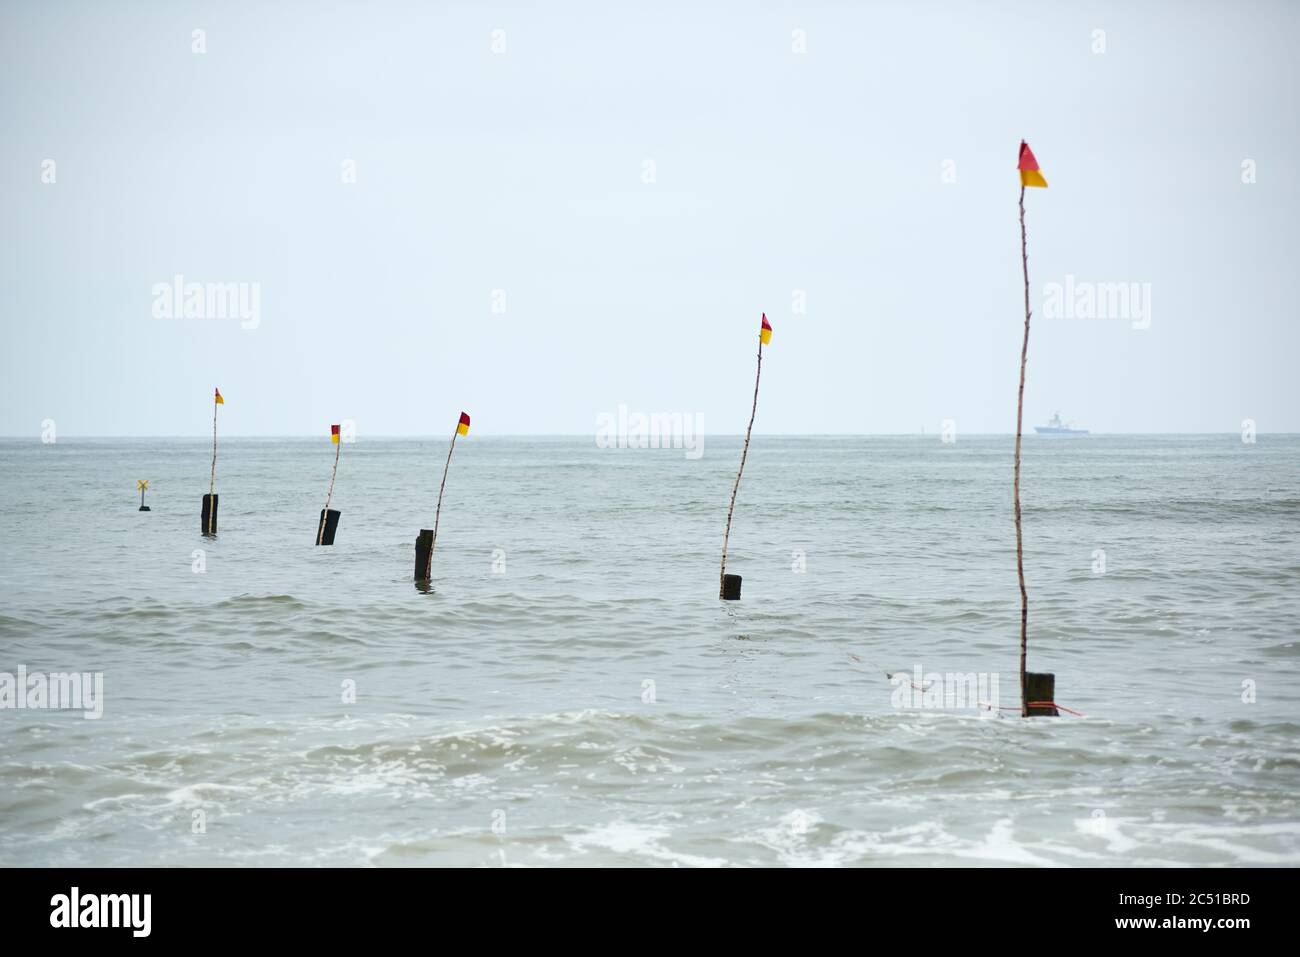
142,484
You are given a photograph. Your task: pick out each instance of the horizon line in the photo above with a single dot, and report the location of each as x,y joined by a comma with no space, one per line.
587,435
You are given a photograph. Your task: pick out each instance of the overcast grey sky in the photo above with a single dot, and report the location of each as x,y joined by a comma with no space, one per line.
523,171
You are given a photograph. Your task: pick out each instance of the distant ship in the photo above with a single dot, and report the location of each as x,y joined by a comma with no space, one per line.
1057,427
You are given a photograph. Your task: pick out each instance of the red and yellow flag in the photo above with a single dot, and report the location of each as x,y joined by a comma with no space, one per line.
219,400
334,434
765,331
1030,174
462,427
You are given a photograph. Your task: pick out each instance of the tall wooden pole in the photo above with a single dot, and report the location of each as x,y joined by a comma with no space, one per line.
722,574
212,482
428,570
1020,413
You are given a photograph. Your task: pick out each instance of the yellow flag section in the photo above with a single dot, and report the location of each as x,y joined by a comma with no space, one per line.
1030,174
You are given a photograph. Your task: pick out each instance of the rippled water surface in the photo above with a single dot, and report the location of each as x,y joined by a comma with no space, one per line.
571,691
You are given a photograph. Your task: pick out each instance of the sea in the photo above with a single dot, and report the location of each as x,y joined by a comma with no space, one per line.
568,689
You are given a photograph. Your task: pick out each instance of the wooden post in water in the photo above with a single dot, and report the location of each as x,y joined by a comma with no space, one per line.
1040,695
209,513
329,517
729,585
1039,688
423,554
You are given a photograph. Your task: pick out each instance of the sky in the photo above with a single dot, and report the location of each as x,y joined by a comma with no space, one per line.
539,213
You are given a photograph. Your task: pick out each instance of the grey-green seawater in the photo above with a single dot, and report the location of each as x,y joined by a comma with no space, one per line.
573,692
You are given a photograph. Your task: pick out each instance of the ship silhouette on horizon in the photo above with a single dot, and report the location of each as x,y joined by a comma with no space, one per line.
1056,427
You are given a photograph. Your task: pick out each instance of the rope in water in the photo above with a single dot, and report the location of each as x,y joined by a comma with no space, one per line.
984,705
1044,704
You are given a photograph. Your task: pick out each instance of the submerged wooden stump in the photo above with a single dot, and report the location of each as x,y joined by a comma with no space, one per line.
731,588
1040,693
423,549
329,523
209,514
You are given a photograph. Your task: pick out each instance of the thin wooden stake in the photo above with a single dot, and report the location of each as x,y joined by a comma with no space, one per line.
428,568
212,482
722,574
1020,412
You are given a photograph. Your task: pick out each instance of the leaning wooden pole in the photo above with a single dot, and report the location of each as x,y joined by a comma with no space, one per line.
427,540
330,494
764,336
1020,415
441,488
